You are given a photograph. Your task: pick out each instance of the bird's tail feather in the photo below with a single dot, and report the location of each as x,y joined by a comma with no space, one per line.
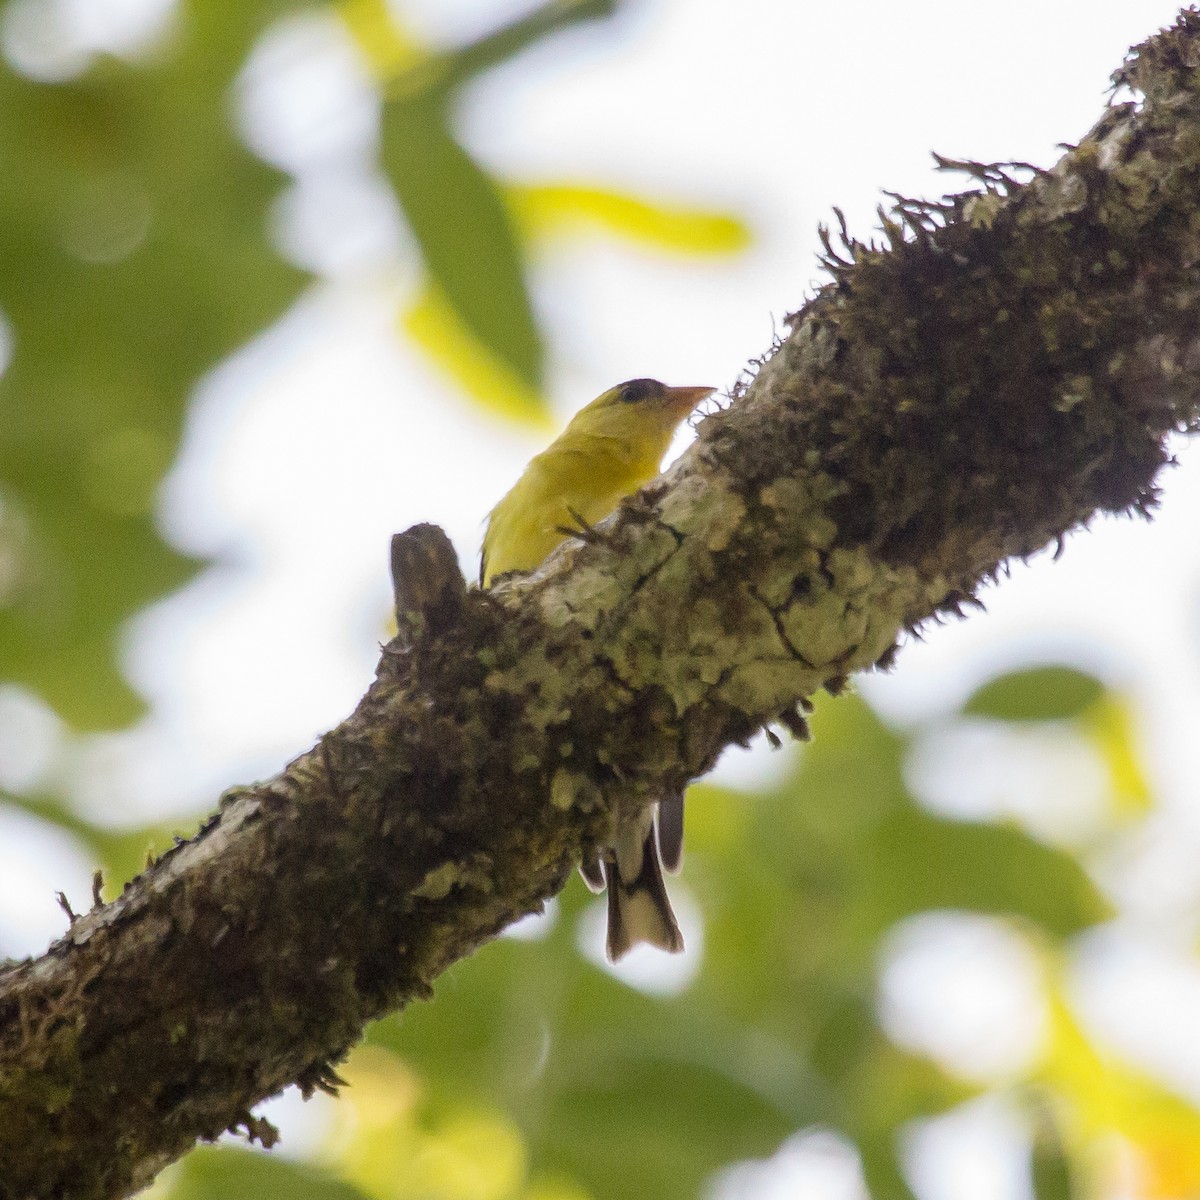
639,909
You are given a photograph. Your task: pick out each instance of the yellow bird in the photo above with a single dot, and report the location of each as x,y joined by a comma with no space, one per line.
611,448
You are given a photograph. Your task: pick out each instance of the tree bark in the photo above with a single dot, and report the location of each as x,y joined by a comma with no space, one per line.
1010,362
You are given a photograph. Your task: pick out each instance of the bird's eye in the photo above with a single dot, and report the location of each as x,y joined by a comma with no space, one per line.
640,389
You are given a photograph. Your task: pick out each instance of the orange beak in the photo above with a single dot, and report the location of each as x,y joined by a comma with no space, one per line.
683,399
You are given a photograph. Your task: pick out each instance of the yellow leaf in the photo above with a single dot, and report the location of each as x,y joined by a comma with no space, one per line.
436,329
392,1146
555,208
389,49
1103,1095
1110,724
473,1156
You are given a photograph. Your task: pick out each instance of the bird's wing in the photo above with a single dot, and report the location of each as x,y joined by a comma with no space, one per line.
670,831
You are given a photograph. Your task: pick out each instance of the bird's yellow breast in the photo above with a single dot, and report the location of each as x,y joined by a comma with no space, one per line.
609,450
560,488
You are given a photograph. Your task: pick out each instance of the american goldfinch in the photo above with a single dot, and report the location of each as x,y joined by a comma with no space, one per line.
610,449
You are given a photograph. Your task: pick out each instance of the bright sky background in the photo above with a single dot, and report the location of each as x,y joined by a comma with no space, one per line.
312,446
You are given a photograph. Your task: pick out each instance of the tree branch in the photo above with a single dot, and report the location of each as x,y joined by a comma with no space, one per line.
1010,363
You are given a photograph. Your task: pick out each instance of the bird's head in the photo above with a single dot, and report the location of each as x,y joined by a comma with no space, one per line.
639,408
651,395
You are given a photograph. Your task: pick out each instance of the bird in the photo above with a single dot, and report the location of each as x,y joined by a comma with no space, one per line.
611,448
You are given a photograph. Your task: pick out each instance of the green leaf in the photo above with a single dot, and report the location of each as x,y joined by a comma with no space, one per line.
668,1125
1037,694
881,1168
919,861
1052,1172
229,1173
463,228
504,44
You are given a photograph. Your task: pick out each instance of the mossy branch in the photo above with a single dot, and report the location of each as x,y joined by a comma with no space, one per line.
1010,362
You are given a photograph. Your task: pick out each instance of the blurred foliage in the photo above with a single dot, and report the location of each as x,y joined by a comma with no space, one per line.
475,318
135,257
541,214
116,265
